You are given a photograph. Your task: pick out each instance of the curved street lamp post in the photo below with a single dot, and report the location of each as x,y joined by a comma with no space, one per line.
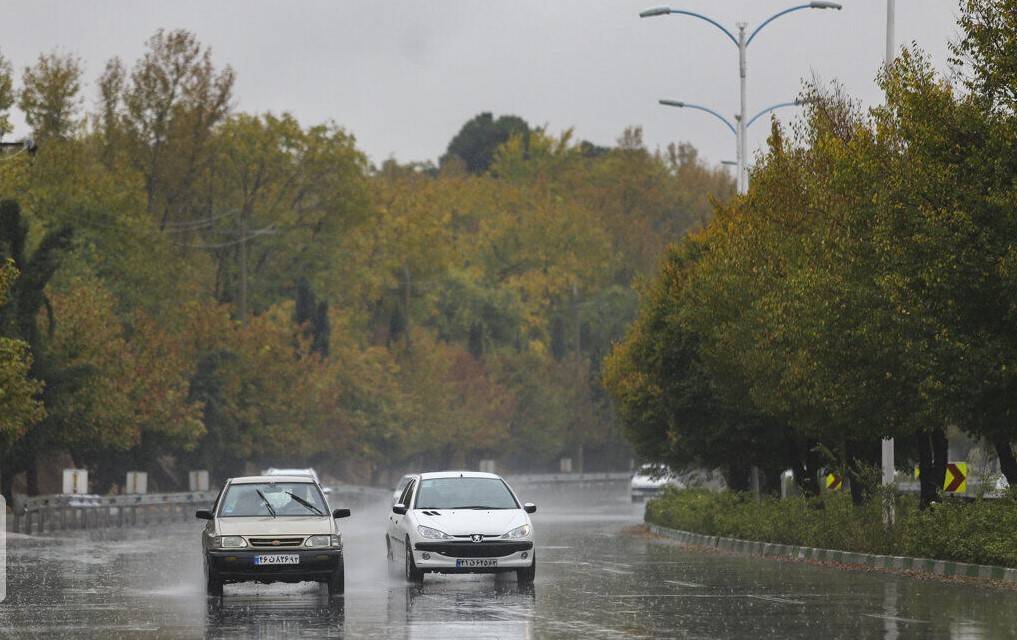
742,42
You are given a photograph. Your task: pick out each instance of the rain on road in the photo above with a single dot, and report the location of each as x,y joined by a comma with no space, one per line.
596,578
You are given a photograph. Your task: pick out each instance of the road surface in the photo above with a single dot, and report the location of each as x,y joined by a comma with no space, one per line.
597,578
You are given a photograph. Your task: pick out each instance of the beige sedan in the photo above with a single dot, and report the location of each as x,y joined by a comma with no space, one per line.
272,529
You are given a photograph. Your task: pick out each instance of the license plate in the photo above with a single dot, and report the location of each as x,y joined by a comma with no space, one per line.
475,563
278,558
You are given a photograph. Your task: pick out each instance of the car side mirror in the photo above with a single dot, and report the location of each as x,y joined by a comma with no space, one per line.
399,509
326,490
529,507
341,513
203,514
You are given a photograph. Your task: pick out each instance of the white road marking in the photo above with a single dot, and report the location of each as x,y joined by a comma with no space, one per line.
617,571
880,616
776,599
691,585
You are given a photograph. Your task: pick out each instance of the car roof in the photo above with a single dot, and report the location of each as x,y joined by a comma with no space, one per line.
270,479
459,474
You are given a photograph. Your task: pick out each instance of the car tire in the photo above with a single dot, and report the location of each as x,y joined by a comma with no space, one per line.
337,581
213,583
527,574
413,574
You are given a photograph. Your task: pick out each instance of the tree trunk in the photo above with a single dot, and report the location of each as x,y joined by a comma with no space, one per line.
1007,461
860,456
32,477
932,452
738,478
807,470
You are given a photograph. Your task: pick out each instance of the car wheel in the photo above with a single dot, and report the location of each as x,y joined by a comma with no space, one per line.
413,574
526,575
337,583
213,583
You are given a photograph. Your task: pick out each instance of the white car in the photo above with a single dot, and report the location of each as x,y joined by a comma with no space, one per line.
272,529
311,473
650,481
461,522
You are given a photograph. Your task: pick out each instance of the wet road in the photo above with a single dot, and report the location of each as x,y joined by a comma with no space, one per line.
595,579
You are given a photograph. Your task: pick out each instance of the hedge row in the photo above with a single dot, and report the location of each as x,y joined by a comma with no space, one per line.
979,532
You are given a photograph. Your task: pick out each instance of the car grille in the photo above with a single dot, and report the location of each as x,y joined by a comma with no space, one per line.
474,549
276,543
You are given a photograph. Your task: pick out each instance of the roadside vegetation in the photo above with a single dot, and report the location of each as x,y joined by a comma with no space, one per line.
865,287
979,532
191,286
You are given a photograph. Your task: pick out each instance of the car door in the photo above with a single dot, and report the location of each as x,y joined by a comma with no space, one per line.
396,522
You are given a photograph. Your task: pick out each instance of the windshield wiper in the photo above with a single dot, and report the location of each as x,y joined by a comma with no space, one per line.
304,503
268,504
477,506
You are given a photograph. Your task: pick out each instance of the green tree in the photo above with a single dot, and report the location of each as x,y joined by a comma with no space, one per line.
476,142
50,96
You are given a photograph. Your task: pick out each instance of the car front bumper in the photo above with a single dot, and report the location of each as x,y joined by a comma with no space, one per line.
238,566
443,557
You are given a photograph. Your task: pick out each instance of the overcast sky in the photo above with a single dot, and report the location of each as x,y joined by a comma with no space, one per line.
403,75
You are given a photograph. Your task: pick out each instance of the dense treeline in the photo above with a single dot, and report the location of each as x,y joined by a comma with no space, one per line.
188,285
864,287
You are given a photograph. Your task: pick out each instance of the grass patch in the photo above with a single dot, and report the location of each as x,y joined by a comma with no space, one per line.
979,532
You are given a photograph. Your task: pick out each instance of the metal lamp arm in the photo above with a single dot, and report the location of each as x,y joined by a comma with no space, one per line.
686,105
769,109
727,32
774,17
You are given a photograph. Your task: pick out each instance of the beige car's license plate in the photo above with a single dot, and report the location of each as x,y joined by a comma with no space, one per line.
475,563
277,558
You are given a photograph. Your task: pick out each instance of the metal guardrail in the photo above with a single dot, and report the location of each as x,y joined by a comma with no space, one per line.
42,514
570,478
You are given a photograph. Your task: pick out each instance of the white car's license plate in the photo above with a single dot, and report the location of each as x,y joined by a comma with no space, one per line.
475,563
278,558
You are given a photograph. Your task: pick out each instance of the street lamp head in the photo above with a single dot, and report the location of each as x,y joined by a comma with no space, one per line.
671,103
821,4
656,11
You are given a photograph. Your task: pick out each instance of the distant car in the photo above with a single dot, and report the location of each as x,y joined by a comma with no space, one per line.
461,522
650,480
272,471
272,529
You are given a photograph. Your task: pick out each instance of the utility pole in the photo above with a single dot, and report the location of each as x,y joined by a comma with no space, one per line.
242,298
888,443
890,42
579,368
743,178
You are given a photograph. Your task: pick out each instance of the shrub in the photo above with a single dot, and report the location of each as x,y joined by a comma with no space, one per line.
981,532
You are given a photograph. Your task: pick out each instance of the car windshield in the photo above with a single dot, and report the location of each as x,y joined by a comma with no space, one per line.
278,499
465,493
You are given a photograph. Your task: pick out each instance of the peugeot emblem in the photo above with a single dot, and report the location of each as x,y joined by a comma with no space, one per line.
276,543
476,537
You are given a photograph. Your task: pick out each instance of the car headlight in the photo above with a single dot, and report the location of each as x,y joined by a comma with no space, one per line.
432,534
231,542
322,541
518,532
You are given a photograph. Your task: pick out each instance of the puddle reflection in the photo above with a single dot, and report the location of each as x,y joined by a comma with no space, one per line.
472,608
270,617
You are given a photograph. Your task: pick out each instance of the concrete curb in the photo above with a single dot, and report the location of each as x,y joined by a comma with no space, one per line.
869,560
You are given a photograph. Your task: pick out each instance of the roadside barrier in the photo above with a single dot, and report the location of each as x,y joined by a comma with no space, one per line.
570,478
42,514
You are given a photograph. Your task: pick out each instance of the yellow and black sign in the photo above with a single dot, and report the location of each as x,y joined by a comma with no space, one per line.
834,482
956,480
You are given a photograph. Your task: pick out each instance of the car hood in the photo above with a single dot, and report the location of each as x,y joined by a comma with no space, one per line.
268,526
464,522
